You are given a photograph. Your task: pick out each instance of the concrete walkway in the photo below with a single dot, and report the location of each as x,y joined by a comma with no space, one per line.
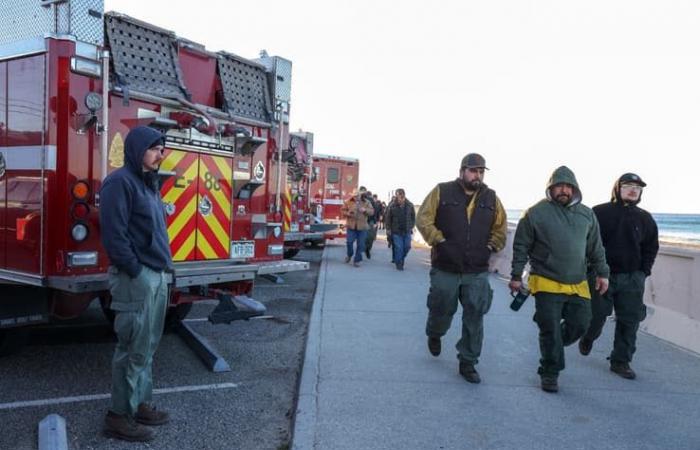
369,382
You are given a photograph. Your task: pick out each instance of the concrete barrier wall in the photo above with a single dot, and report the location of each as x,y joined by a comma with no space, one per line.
672,293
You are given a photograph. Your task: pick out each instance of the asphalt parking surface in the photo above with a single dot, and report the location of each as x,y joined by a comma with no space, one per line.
250,407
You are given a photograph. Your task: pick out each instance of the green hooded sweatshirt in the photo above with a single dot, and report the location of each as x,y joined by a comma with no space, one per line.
560,241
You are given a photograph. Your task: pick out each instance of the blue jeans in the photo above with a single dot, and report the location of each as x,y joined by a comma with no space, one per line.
360,236
401,244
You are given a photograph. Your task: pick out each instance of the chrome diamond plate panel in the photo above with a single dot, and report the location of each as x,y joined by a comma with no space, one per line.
25,19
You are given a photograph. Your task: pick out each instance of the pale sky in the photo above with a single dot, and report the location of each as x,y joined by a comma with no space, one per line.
604,87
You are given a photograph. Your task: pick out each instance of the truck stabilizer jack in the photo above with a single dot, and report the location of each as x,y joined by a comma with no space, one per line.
238,307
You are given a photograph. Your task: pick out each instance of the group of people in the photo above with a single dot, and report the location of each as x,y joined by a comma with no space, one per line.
584,264
363,214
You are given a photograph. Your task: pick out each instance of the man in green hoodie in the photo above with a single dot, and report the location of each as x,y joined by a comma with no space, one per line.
560,238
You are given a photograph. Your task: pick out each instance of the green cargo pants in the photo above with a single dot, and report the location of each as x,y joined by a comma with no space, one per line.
562,320
625,295
474,293
140,305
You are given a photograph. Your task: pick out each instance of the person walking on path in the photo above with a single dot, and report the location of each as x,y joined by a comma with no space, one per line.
388,233
401,218
560,237
356,211
372,222
464,222
631,240
134,234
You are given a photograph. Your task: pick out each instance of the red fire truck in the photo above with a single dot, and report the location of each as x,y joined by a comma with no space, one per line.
335,179
73,82
298,222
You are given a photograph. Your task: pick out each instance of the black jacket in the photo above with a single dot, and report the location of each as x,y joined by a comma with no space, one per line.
132,218
630,237
400,220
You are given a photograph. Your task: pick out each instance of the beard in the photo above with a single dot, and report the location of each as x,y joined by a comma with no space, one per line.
472,185
563,199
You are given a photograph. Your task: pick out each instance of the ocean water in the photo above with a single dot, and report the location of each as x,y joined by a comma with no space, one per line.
672,227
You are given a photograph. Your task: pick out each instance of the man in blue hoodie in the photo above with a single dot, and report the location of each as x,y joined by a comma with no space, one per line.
135,236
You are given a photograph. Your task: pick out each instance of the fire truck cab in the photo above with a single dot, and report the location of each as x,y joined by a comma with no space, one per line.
334,180
73,81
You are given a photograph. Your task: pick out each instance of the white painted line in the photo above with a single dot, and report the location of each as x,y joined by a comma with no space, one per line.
88,398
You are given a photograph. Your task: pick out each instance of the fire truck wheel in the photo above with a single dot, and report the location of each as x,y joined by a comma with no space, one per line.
176,314
12,340
290,253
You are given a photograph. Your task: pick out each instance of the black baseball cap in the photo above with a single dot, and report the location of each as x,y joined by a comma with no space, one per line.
632,178
474,161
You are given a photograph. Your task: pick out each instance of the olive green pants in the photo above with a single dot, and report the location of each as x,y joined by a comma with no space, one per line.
625,296
140,305
562,320
473,291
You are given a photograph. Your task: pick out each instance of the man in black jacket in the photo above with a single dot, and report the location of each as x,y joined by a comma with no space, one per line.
464,222
400,220
631,242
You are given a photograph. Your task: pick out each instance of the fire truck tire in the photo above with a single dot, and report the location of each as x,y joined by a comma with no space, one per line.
290,253
12,340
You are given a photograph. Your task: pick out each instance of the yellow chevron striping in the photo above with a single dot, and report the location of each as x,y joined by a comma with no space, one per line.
172,160
224,167
223,202
218,230
217,196
174,193
183,217
204,247
186,248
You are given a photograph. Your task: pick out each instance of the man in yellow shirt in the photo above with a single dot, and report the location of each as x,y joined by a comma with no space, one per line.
560,238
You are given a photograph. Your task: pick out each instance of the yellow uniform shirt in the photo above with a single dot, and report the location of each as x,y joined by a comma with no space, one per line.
538,283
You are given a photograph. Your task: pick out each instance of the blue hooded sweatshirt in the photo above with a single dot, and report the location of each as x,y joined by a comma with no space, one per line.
132,217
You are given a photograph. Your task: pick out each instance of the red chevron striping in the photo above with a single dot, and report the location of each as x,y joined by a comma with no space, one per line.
206,233
217,210
185,233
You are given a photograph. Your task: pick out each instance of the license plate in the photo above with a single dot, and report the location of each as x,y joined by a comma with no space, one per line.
242,249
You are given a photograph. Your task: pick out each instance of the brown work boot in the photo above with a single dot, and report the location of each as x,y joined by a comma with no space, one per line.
623,369
434,345
149,415
124,427
549,383
585,346
468,371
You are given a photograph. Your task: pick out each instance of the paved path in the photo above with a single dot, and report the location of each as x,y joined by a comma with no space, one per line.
369,382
